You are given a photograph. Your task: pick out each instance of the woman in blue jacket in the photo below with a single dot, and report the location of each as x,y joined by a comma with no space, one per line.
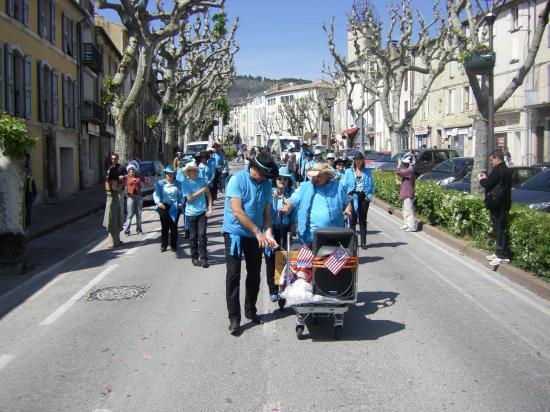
359,184
169,200
281,225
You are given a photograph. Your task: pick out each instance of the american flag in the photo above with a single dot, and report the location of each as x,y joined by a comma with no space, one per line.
305,255
337,260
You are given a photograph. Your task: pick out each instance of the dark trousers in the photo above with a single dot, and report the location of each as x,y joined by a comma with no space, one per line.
362,218
499,220
197,236
253,259
280,237
168,225
215,185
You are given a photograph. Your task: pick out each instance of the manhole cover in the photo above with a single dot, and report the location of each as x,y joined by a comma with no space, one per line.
118,293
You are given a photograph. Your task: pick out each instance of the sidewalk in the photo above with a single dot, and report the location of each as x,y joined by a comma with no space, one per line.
55,213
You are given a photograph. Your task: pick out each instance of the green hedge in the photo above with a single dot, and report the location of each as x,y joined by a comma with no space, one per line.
465,216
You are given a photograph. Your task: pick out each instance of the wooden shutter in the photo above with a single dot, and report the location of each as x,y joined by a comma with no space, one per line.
55,97
41,111
63,33
10,7
9,80
28,83
41,19
75,103
73,38
26,12
1,77
65,103
52,22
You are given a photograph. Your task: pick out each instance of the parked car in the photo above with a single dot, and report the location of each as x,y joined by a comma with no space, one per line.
152,169
449,171
426,159
196,147
542,166
534,192
519,175
376,159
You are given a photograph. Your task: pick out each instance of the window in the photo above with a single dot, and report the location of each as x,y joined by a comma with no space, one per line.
450,103
405,107
452,69
70,101
68,29
439,157
406,82
18,83
287,99
48,95
19,10
514,15
46,19
271,102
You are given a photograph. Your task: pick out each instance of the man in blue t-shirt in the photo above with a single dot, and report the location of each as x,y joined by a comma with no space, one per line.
247,229
198,209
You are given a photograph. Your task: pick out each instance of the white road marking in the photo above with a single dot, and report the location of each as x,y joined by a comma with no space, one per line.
464,260
5,359
67,305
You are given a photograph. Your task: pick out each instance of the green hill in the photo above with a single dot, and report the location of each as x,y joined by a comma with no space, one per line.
247,85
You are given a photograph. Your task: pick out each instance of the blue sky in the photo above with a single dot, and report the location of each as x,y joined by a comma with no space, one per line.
285,38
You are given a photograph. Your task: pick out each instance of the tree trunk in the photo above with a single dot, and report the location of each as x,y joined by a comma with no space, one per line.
12,233
480,151
123,145
395,142
169,139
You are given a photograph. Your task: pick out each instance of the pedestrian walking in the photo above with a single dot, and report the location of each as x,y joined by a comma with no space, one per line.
247,230
169,202
507,156
406,172
134,198
112,218
118,171
359,184
225,175
290,159
281,226
339,168
198,208
321,202
498,201
308,164
330,159
30,192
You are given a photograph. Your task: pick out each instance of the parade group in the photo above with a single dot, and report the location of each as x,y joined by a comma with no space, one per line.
263,203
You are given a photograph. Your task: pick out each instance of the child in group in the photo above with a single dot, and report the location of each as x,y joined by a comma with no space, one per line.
198,209
282,224
134,200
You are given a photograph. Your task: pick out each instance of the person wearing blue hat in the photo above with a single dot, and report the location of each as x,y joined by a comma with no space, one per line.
134,198
339,167
169,202
308,164
247,230
282,225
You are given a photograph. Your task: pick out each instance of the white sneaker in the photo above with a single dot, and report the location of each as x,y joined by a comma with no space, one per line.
410,229
404,227
491,257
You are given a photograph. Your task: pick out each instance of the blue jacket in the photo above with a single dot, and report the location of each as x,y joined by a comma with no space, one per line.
158,197
349,182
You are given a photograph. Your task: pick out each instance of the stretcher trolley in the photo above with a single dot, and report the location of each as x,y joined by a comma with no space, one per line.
331,293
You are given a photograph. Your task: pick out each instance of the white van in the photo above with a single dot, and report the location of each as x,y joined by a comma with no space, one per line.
285,142
196,147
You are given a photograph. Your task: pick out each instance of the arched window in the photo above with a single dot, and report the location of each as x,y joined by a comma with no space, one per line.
19,10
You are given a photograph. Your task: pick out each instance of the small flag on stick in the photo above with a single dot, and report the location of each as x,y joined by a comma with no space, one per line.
305,256
337,260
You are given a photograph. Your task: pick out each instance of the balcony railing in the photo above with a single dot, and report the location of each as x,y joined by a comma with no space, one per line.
93,112
92,57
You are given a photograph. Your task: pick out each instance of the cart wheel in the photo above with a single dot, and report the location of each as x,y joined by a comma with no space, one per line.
299,331
282,303
338,332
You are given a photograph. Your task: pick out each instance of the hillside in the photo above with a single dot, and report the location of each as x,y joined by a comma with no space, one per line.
244,86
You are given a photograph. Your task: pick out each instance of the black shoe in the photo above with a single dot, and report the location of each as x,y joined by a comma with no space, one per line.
254,318
234,327
163,248
196,262
139,231
364,246
205,264
173,249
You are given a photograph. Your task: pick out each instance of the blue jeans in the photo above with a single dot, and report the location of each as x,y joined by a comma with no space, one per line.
133,205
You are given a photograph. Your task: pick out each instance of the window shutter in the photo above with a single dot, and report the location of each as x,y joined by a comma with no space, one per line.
41,111
28,92
55,97
73,38
462,99
41,19
52,22
1,77
75,103
471,99
9,8
63,33
64,97
26,12
9,80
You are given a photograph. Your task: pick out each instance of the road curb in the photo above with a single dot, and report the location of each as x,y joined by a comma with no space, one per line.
516,275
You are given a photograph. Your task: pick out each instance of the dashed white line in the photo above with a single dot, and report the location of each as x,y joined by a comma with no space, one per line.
5,359
67,305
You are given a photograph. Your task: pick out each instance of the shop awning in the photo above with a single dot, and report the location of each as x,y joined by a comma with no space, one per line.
352,132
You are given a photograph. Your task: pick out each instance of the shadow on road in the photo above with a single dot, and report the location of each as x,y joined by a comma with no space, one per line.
386,244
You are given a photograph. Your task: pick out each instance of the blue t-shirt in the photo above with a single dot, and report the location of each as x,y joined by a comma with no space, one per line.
254,197
199,205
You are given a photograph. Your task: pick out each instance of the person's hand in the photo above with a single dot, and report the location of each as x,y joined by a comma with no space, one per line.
272,244
161,205
262,240
347,215
180,205
208,213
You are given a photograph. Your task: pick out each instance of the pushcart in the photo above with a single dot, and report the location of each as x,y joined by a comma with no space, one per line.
332,293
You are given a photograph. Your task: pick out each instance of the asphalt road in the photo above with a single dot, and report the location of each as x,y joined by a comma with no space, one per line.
431,331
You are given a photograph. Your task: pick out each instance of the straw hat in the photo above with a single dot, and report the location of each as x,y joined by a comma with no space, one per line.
192,165
319,169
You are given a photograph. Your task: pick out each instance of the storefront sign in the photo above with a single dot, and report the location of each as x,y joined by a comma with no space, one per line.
499,123
421,130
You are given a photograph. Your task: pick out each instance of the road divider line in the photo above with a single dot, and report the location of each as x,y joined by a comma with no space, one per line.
67,305
464,260
5,359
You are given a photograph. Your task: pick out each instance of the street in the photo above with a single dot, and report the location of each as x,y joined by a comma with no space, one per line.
432,330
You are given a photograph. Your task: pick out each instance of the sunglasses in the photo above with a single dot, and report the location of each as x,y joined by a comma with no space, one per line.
282,178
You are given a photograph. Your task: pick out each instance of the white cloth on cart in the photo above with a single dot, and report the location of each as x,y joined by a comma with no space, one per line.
299,292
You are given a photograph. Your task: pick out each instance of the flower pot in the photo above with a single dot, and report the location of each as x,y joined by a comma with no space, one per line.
480,63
